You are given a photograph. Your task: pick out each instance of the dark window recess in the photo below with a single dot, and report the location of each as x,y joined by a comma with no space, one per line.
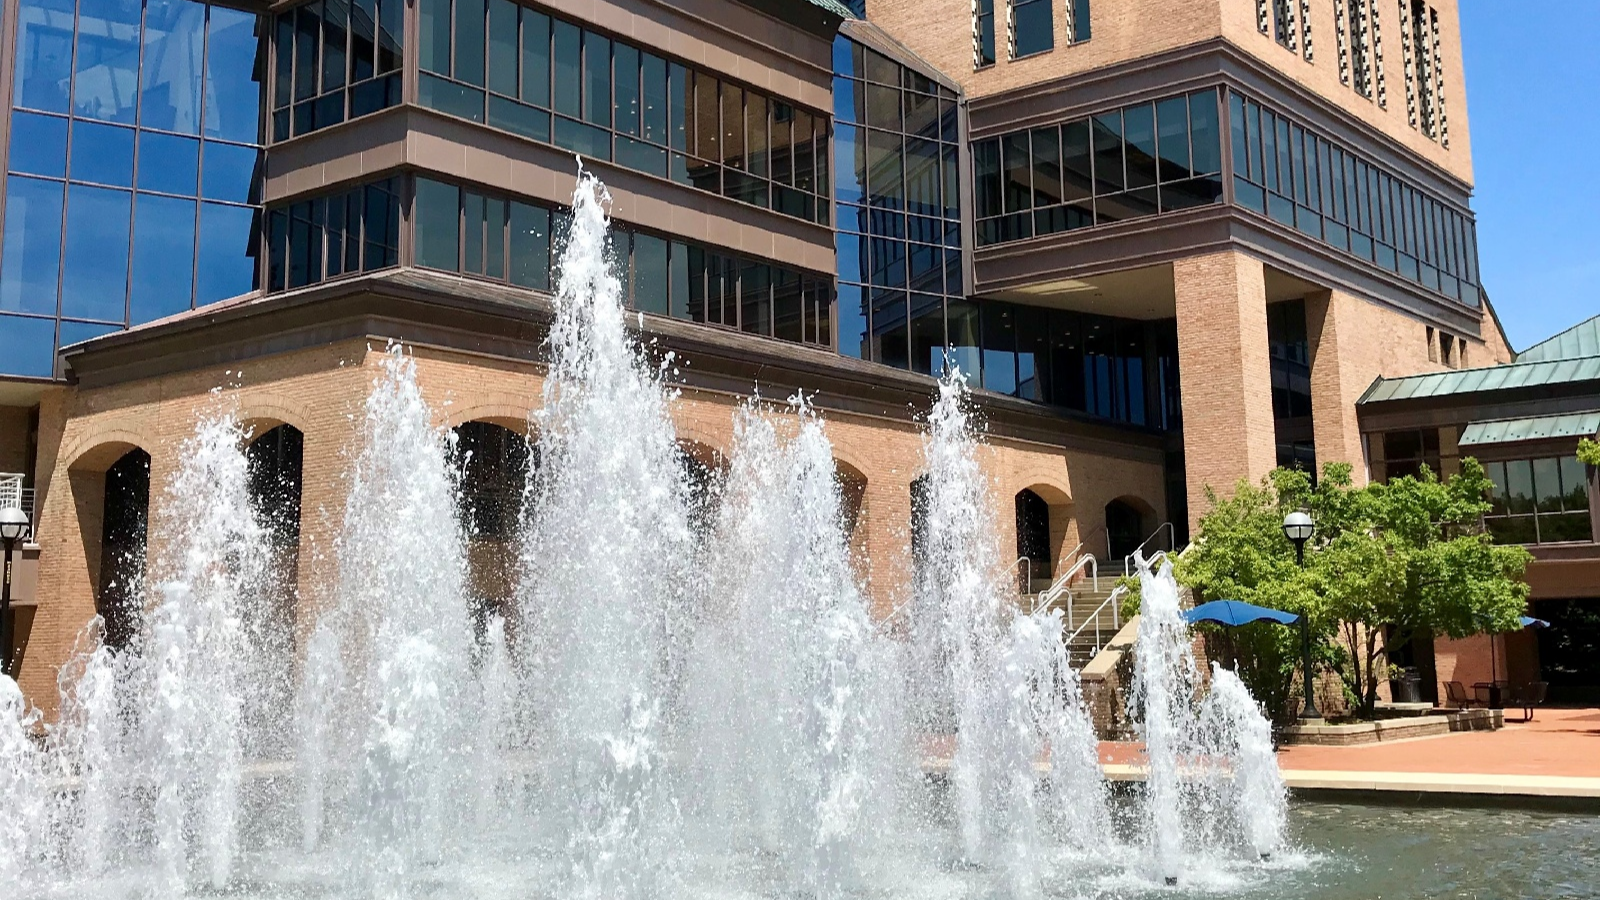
1081,30
338,61
1121,164
507,239
1290,365
357,230
539,77
1034,27
1306,182
983,35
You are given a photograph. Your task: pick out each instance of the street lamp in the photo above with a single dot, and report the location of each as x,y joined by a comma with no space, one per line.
1298,528
13,525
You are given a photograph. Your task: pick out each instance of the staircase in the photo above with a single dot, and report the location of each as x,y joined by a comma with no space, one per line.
1090,619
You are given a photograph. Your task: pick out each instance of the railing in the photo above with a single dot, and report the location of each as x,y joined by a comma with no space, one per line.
1172,544
1027,579
1063,586
1114,600
13,494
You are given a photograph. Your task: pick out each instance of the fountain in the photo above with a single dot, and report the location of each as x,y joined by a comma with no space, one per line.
688,695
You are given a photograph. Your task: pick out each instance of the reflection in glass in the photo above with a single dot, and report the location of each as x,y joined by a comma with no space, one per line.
229,172
232,94
105,77
77,332
227,255
28,346
31,257
44,54
163,257
102,154
169,83
38,144
169,163
95,269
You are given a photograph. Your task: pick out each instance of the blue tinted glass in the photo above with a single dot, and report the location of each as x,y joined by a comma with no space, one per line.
849,174
163,257
76,332
38,144
227,172
169,163
95,270
227,267
233,97
44,54
32,255
174,47
102,154
106,76
852,322
27,346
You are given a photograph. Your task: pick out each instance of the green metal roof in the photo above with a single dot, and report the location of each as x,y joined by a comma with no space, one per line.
1493,378
1582,339
1508,431
835,7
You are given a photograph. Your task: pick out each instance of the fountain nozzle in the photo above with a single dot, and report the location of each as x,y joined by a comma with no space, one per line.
1266,856
1172,881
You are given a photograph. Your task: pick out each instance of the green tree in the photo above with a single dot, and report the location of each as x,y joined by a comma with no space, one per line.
1388,560
1589,451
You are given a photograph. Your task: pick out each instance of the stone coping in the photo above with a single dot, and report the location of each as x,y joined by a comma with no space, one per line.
1393,729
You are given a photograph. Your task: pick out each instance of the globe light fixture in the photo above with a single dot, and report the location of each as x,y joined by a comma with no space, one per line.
1298,528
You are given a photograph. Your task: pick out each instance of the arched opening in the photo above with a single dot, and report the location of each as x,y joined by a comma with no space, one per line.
275,461
125,520
921,500
492,462
852,504
1125,529
1033,537
703,469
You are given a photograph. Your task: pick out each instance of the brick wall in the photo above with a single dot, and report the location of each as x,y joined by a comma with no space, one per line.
1225,373
321,392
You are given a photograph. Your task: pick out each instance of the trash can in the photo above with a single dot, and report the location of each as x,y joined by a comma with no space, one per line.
1408,687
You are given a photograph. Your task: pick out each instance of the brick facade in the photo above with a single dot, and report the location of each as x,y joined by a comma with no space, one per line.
1225,370
320,391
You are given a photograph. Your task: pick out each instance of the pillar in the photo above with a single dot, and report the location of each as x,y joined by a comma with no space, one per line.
1225,371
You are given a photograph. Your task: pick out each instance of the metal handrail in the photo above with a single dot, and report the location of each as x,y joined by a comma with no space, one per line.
1062,585
1172,543
1027,582
1115,601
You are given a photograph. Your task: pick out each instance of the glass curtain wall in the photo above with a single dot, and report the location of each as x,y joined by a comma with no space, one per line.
535,75
1304,181
1539,501
899,220
334,60
130,192
460,229
1120,164
321,238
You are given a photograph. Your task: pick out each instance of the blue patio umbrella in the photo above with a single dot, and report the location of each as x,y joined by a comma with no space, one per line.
1235,612
1531,622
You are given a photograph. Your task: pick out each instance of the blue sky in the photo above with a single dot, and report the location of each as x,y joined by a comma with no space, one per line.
1533,100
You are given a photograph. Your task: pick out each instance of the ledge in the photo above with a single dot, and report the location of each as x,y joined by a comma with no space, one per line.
1393,729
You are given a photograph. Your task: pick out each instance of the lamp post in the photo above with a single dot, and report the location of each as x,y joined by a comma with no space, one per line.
13,525
1298,528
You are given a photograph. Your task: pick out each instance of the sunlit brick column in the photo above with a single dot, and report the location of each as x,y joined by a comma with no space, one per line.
1223,361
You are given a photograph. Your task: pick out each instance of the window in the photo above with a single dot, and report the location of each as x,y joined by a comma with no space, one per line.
1306,182
982,33
1290,363
1405,453
322,238
1078,24
1360,47
1121,164
1419,24
899,208
1544,500
507,239
553,81
1032,27
338,60
1283,24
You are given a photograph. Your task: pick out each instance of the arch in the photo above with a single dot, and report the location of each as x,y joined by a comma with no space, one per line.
506,410
920,488
492,461
852,497
1033,535
1129,520
117,567
97,450
262,411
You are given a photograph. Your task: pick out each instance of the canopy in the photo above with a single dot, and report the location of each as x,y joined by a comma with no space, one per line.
1531,622
1234,612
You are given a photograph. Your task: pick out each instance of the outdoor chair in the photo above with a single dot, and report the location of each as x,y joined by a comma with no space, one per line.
1527,696
1456,692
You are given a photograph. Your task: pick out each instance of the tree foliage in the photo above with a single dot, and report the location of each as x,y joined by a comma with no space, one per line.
1589,451
1388,561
